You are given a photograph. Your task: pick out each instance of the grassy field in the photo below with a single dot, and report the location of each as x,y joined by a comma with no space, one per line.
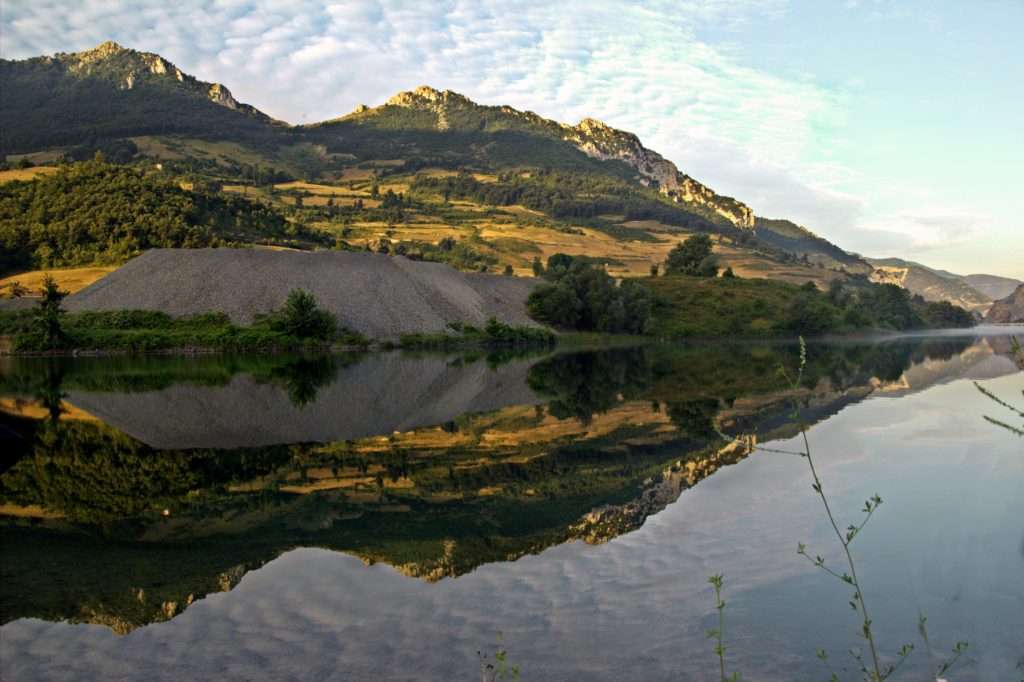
70,279
25,174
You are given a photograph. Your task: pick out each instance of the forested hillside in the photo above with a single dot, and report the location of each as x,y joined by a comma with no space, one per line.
97,213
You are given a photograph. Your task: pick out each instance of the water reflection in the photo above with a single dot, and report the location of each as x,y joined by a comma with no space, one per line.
133,489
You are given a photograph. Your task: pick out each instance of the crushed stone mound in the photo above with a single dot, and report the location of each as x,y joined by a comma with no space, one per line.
377,295
381,394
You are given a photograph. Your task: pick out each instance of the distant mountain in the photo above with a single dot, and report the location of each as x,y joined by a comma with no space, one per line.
992,285
931,284
798,240
1009,309
112,92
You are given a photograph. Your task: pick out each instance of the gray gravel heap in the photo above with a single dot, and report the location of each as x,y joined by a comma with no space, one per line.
381,394
376,295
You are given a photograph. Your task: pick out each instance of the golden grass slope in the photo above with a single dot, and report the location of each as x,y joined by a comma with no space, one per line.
69,279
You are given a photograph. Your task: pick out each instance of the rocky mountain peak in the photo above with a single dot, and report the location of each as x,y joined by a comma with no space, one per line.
426,97
130,68
103,50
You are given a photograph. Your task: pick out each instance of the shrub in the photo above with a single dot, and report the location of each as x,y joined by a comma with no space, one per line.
584,297
302,318
693,258
49,314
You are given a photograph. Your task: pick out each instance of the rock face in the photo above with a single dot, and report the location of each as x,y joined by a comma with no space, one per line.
130,68
379,296
1009,309
599,140
447,110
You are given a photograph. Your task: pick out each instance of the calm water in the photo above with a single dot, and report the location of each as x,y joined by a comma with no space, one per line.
388,516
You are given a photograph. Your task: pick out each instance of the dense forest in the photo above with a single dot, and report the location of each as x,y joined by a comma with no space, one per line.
94,212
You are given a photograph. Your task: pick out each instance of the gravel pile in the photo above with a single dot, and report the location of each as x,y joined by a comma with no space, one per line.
376,295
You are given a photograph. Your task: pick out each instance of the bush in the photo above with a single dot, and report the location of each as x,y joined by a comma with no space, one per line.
693,258
584,297
810,314
302,318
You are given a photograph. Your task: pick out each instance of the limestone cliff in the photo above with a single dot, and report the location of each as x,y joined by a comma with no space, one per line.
1009,309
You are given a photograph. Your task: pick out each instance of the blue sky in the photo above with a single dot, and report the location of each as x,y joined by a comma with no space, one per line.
891,127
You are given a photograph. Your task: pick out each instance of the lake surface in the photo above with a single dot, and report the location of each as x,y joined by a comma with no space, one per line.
389,516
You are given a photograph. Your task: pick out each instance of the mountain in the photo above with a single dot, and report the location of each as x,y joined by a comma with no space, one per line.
426,109
1009,309
931,284
582,180
800,241
112,92
993,286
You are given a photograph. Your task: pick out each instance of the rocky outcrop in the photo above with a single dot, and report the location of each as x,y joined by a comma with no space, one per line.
599,140
1009,309
130,68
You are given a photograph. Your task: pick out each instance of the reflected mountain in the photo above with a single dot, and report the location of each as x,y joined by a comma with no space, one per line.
137,488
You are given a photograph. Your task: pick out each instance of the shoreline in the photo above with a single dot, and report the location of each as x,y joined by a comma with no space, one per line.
566,341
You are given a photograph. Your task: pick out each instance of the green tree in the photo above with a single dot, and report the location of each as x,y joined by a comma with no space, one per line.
538,267
303,318
49,314
583,296
692,258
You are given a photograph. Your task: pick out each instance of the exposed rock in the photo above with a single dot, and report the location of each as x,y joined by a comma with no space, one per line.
222,96
131,68
1009,309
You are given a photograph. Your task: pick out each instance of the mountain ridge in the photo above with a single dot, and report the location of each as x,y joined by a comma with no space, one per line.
593,137
114,92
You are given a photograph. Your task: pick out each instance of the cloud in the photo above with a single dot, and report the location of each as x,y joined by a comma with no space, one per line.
643,67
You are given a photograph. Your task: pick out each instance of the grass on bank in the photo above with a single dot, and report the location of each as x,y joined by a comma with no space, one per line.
141,331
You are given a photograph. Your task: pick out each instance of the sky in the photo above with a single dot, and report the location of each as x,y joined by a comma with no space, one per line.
891,127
